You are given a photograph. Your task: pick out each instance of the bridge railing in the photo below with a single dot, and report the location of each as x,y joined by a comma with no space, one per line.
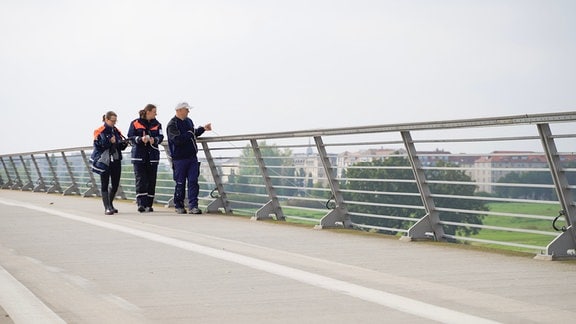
501,181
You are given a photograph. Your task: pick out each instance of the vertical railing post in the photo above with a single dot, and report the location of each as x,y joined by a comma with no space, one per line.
73,188
8,184
92,186
30,184
41,184
18,183
222,200
170,202
428,226
55,182
273,205
339,215
564,245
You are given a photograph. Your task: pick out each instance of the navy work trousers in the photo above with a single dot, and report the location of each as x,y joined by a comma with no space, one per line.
145,175
186,170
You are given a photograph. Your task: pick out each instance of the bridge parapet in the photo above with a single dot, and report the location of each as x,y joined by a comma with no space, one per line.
501,181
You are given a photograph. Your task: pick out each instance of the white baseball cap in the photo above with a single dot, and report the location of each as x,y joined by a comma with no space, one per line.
183,105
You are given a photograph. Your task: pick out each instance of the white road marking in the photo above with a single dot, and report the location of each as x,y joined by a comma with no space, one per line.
21,304
396,302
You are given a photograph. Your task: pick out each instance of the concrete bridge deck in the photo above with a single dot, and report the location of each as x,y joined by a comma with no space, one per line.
63,260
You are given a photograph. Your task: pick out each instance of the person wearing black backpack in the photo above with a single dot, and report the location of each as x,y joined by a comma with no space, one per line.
145,134
106,159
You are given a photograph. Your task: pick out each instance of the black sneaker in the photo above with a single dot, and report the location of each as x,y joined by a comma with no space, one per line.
180,211
141,209
195,210
149,209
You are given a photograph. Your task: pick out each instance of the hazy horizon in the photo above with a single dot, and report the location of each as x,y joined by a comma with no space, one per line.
270,66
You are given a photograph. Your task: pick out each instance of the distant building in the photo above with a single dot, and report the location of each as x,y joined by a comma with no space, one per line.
431,158
309,166
491,168
346,159
482,169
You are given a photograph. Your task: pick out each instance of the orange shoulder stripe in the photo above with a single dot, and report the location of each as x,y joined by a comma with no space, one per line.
98,131
138,125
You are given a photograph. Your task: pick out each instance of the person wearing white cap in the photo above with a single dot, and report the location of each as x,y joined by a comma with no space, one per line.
183,150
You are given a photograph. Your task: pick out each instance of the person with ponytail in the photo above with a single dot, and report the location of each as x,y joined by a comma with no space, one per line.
106,159
145,134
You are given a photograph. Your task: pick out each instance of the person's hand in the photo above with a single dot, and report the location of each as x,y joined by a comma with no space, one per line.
208,127
145,139
113,139
151,140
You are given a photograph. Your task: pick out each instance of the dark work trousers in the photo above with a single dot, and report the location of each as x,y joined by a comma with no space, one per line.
111,177
145,174
186,170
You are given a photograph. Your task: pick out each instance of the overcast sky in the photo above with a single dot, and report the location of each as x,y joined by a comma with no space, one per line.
264,66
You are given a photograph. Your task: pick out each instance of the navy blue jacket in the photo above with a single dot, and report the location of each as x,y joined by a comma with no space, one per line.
103,146
182,138
144,152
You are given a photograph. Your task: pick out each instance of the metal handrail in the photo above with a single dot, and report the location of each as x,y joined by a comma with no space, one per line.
370,206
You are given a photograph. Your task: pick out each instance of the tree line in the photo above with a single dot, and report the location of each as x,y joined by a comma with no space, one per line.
289,181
